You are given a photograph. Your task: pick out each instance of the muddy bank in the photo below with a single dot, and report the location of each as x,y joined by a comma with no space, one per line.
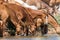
46,37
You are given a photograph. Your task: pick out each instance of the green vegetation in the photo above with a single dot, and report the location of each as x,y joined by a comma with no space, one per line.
58,18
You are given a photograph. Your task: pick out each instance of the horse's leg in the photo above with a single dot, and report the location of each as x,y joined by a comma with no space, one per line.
32,29
4,17
5,31
1,28
18,27
25,31
15,21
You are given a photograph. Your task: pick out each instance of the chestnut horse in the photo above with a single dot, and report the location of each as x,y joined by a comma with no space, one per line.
15,12
33,13
21,15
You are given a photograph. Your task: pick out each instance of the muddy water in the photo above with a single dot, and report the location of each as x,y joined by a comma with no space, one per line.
45,37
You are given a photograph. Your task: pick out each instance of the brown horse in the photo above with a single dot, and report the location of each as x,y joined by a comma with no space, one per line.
21,14
33,12
15,21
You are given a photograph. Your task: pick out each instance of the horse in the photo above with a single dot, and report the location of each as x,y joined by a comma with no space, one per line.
14,12
20,19
34,12
21,14
14,19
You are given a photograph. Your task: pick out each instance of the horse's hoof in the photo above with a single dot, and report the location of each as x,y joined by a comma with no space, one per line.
24,34
6,34
16,34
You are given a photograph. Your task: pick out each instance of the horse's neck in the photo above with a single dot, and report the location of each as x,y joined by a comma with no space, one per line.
52,21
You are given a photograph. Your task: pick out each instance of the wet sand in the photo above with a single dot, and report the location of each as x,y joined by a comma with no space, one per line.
45,37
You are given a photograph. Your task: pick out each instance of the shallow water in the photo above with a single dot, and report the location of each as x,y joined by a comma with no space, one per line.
46,37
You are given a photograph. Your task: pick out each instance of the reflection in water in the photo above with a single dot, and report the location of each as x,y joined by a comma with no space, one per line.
46,37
